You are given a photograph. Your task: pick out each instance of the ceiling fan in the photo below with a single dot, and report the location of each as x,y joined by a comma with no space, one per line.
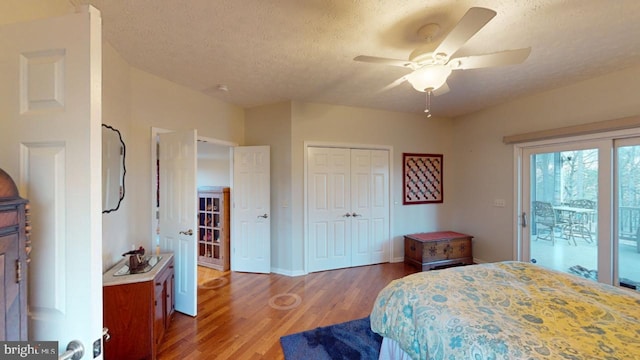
430,69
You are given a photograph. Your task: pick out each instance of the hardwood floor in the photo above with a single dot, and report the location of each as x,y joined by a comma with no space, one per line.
236,321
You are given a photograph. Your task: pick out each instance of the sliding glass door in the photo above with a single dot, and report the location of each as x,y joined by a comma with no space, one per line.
627,185
579,206
561,197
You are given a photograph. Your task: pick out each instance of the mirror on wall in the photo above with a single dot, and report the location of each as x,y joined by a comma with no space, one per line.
113,169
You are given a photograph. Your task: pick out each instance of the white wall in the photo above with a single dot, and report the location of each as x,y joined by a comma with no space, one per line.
13,11
483,166
478,167
214,172
116,112
134,102
156,102
271,125
214,164
406,133
287,126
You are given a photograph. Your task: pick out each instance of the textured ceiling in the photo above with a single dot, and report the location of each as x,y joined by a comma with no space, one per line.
267,51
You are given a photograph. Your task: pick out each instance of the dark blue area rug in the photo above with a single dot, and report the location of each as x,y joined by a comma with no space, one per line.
350,340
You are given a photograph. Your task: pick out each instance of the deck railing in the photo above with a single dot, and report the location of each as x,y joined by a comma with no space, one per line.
628,222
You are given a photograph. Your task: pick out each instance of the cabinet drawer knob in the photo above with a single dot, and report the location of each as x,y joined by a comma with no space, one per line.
413,248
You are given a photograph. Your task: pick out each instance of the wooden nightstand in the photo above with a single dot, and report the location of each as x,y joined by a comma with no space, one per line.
431,250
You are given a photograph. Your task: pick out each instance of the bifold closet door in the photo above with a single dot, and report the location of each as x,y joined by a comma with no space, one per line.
329,208
348,207
369,207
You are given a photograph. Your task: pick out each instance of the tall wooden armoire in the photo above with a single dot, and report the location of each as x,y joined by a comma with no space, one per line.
14,256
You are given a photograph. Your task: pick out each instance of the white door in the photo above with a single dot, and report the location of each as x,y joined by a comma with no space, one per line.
50,114
251,210
329,209
369,206
348,207
178,224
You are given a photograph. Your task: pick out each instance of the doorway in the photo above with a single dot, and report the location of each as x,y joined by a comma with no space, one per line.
213,164
213,169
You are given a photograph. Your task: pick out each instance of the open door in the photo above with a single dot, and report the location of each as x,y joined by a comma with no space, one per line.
50,116
251,211
178,224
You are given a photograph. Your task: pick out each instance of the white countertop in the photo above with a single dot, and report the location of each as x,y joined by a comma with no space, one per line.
109,279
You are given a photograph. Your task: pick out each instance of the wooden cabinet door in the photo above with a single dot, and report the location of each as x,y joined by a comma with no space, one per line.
10,324
159,312
129,314
170,300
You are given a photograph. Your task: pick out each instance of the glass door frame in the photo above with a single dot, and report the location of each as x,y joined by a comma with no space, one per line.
618,143
606,234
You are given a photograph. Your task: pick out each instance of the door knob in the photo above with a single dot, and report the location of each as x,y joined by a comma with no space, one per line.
263,216
355,214
346,215
188,232
105,334
75,351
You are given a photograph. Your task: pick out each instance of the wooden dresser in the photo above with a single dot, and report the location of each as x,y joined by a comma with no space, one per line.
14,256
137,309
428,251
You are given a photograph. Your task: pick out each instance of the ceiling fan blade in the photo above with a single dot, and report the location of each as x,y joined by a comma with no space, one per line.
474,20
394,84
385,61
441,90
509,57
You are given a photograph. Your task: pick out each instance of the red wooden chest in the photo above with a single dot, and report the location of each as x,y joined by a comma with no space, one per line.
431,250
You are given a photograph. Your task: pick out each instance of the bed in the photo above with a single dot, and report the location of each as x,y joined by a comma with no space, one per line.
505,310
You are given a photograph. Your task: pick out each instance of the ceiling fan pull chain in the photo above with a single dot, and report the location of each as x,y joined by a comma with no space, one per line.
428,109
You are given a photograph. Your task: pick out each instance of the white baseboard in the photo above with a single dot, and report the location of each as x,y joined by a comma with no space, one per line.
288,272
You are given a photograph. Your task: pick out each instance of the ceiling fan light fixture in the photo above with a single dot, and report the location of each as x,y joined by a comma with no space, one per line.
433,64
429,77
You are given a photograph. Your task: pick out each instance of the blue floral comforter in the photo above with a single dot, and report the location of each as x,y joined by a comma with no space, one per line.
508,310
